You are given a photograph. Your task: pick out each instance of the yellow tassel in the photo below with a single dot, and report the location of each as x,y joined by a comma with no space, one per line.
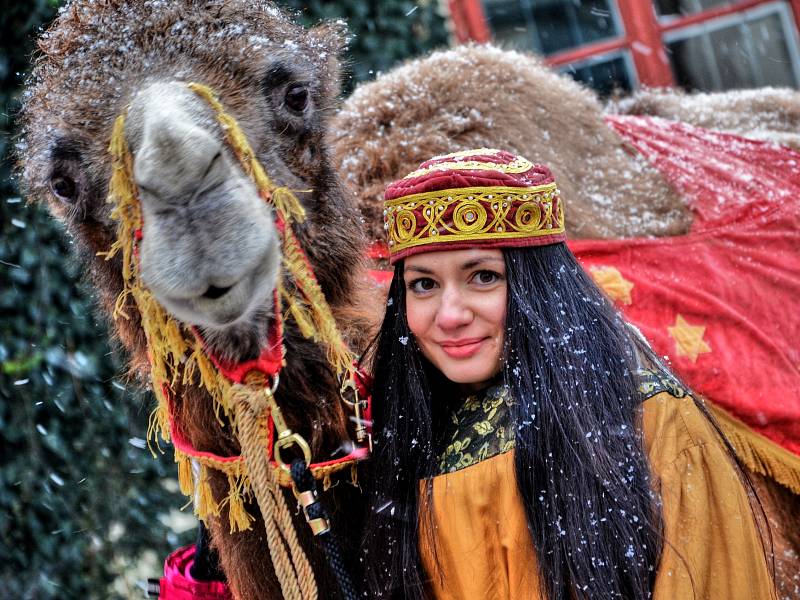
119,305
175,339
189,369
205,505
111,252
205,368
238,518
227,402
287,204
303,320
262,181
185,476
339,355
157,427
209,379
159,418
354,474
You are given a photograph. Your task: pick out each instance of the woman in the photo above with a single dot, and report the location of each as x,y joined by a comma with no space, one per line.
528,442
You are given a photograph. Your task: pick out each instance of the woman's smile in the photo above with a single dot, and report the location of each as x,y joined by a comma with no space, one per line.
462,348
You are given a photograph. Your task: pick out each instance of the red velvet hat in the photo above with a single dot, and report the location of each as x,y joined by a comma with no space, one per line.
484,197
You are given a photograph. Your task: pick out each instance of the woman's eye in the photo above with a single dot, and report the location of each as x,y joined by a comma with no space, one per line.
296,98
486,277
64,188
422,285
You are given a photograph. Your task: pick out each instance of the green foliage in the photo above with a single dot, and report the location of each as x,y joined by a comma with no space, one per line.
81,498
80,495
381,33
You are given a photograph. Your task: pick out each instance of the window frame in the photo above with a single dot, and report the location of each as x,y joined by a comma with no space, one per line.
595,59
762,10
643,34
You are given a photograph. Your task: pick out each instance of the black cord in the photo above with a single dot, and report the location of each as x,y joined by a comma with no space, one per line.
304,482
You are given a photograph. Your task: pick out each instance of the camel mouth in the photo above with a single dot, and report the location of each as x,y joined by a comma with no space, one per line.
216,307
225,303
214,293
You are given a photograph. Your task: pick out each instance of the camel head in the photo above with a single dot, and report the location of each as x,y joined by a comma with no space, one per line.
209,252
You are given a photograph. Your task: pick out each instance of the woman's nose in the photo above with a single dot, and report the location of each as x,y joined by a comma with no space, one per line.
454,311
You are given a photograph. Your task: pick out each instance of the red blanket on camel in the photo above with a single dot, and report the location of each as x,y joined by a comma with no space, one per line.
723,301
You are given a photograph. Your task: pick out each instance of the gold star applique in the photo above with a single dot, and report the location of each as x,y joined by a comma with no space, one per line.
688,338
611,281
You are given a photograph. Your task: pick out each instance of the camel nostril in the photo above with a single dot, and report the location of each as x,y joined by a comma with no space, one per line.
214,292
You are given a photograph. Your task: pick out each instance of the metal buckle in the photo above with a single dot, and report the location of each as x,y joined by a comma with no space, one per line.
357,404
286,438
318,525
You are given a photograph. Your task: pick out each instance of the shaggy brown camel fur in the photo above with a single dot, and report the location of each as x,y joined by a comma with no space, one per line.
770,114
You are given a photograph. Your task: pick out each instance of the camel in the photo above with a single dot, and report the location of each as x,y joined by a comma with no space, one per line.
209,251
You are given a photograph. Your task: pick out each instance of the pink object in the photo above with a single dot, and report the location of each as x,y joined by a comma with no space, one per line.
178,584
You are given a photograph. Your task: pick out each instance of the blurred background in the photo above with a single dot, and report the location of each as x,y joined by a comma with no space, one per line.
85,510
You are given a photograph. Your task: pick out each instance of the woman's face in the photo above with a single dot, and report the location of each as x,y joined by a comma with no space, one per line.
456,309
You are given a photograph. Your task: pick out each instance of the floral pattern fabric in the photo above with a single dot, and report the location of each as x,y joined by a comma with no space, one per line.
478,429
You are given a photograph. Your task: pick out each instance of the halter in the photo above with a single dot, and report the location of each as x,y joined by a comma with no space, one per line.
244,392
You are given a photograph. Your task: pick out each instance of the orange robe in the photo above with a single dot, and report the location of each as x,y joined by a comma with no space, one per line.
713,550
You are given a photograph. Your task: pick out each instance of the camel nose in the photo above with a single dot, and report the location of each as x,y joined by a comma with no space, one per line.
174,152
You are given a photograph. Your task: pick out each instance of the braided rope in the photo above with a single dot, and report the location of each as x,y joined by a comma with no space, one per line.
292,567
304,481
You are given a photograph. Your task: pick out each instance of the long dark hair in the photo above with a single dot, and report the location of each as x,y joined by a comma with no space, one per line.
571,364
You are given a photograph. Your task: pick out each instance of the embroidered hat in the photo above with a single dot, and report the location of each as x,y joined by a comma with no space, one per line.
484,197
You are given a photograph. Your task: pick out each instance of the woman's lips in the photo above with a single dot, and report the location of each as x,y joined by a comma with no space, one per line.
462,348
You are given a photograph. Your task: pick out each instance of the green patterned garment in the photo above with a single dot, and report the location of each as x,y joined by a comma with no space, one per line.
655,382
478,429
482,426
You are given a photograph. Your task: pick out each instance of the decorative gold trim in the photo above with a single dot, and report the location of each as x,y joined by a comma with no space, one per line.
518,165
470,152
760,454
480,213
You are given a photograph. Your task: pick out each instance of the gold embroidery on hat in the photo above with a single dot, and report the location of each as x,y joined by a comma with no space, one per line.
470,152
478,213
518,165
469,216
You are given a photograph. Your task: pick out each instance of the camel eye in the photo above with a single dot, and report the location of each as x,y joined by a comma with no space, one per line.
64,188
296,98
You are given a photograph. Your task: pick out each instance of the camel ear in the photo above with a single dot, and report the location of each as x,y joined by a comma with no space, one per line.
329,40
331,37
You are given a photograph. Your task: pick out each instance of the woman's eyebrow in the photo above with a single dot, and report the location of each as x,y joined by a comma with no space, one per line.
419,270
470,264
